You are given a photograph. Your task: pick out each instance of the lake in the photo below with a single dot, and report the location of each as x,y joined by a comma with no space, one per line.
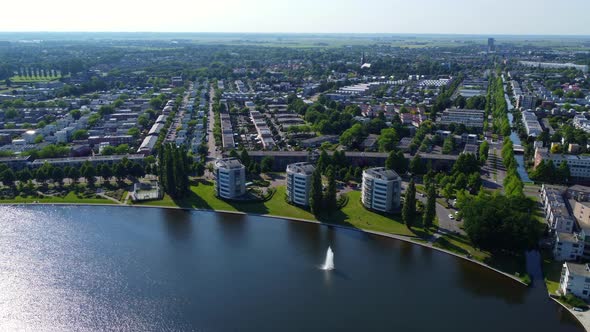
89,268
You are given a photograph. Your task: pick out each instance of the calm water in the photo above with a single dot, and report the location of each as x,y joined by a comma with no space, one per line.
524,176
101,268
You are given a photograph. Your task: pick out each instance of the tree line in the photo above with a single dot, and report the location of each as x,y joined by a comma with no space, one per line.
323,201
89,172
174,167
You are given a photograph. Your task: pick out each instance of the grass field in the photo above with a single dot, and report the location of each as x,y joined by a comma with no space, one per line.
353,214
32,79
551,271
69,198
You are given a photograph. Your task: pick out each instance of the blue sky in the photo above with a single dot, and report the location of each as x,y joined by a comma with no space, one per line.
340,16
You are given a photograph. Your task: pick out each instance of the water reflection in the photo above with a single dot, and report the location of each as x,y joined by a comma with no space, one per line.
478,280
305,238
178,223
405,254
94,268
233,228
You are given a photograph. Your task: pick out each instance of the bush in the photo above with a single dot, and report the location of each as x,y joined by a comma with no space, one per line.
574,301
342,201
526,279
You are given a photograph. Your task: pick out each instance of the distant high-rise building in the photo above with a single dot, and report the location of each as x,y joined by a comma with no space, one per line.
363,59
491,45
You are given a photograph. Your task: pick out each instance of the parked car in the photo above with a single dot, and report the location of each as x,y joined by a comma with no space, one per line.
451,217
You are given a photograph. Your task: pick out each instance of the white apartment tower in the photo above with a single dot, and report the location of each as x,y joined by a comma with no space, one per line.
230,178
381,189
299,182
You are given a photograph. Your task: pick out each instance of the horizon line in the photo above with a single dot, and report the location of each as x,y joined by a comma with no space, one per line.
302,33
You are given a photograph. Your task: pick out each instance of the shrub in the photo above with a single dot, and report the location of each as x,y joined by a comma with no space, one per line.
574,301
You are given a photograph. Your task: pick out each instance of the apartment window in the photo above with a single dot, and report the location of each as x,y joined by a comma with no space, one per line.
585,292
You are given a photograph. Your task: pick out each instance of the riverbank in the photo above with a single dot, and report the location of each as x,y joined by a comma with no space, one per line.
582,317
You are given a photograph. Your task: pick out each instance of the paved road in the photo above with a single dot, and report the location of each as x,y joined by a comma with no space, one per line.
494,170
445,224
213,153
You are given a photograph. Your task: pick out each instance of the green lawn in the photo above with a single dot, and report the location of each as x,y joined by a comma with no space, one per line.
30,79
353,214
69,198
460,244
552,272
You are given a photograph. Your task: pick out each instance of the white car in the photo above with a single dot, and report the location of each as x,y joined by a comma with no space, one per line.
451,217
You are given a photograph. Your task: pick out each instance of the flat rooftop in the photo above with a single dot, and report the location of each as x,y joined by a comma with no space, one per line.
301,168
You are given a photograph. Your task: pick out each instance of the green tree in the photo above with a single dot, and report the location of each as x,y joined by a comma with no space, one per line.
245,158
330,196
122,149
106,172
88,172
266,164
417,167
8,177
80,134
388,139
448,191
448,145
409,207
73,174
500,223
76,114
134,132
430,209
397,162
563,172
484,149
24,175
174,168
200,169
136,170
234,154
119,171
352,136
323,161
57,174
316,193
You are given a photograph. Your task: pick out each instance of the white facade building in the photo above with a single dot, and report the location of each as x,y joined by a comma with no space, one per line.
558,217
568,247
531,124
579,165
381,189
575,279
470,118
230,178
299,182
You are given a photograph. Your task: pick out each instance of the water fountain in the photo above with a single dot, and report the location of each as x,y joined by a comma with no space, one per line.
329,263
